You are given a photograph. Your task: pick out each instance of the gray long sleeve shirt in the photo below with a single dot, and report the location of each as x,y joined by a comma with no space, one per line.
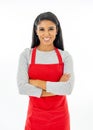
44,57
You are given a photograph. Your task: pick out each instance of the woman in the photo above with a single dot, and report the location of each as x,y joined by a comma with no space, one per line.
45,74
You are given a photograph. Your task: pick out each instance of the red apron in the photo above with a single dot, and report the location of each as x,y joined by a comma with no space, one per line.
47,113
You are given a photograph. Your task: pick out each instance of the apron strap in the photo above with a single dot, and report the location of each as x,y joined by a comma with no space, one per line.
58,55
34,54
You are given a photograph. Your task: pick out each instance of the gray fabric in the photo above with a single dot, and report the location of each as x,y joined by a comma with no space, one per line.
48,57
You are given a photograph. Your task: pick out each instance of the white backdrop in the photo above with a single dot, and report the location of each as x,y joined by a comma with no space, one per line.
16,21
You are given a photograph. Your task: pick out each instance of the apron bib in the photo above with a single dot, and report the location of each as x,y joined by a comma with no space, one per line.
47,113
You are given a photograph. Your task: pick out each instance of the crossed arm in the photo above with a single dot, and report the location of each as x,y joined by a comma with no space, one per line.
42,84
40,88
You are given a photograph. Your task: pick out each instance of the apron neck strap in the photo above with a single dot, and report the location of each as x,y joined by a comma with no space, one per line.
58,55
34,54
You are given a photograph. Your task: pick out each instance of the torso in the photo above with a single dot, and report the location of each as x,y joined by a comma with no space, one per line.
47,112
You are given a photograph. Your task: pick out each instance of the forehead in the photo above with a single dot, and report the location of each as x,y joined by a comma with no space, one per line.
46,23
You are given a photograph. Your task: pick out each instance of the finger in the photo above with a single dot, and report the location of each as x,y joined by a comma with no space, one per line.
68,75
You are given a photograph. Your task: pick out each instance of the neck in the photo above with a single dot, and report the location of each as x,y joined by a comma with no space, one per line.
45,47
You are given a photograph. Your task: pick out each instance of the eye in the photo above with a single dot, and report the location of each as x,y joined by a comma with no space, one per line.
51,28
41,29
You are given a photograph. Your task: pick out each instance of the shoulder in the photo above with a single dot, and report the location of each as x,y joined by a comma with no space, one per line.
25,54
65,55
26,51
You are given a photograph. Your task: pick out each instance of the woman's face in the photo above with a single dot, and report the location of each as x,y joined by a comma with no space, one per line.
46,31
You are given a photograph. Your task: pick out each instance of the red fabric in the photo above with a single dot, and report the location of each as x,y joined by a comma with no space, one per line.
47,113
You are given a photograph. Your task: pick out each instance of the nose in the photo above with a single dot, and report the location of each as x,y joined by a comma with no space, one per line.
46,33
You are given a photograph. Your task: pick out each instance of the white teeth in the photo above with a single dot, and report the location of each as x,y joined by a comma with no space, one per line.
46,39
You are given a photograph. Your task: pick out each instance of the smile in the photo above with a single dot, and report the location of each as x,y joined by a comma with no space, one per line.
46,39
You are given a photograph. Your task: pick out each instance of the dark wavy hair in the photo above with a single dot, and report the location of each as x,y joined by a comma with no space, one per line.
58,42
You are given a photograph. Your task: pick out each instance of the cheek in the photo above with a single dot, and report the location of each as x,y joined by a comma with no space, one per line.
40,35
54,36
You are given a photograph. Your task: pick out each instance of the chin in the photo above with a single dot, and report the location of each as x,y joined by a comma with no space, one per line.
47,43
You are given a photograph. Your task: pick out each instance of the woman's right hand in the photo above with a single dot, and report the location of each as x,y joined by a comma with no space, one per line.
65,77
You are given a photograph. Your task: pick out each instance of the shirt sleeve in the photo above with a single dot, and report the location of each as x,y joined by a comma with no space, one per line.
22,76
63,88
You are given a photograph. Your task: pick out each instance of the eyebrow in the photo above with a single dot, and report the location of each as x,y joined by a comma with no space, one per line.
48,27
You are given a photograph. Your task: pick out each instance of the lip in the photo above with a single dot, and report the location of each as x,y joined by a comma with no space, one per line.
46,38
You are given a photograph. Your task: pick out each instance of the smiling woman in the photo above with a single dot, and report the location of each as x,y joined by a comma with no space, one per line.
45,74
46,31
